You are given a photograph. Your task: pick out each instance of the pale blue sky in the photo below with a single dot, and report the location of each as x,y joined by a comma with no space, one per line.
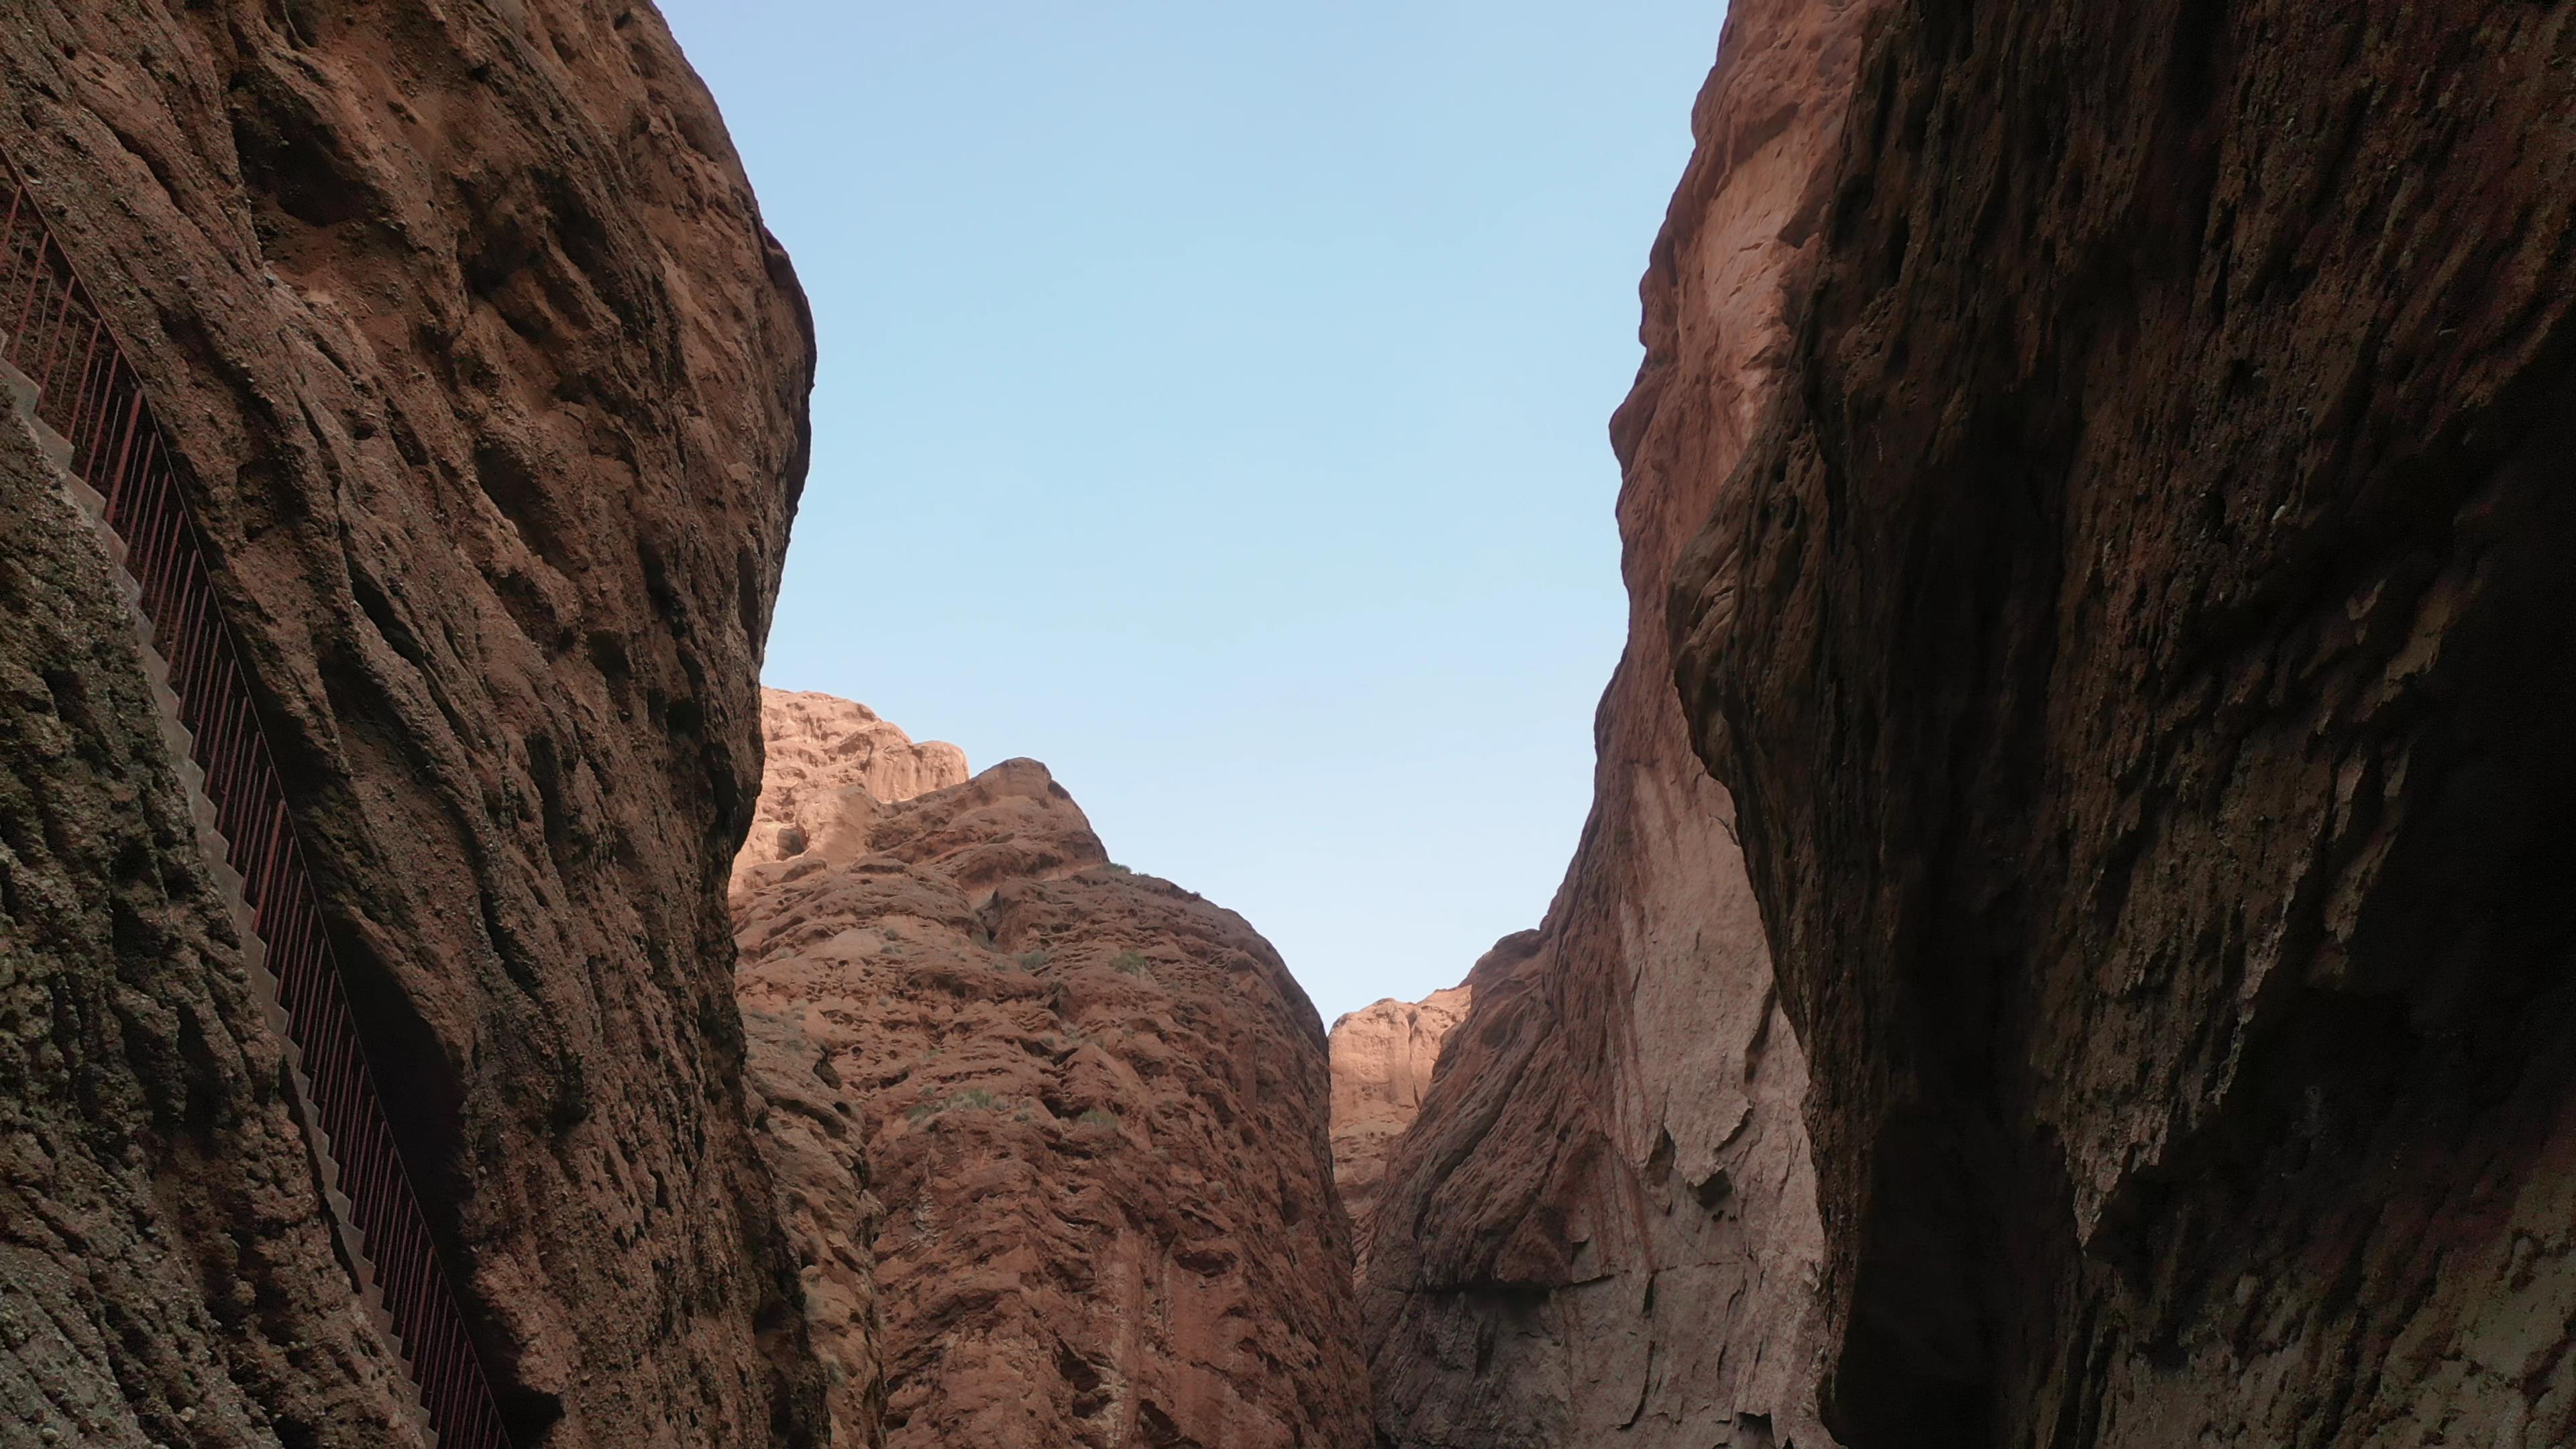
1213,405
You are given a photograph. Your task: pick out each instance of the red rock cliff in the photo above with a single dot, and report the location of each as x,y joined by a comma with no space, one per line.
1095,1109
1603,1222
1383,1056
489,392
2139,645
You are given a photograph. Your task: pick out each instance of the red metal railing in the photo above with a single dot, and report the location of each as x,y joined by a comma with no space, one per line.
90,397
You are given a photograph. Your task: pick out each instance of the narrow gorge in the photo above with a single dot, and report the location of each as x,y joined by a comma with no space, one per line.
2065,949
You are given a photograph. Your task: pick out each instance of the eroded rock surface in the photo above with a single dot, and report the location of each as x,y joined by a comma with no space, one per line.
1603,1224
489,391
813,1136
820,748
1382,1056
2140,647
167,1273
1095,1107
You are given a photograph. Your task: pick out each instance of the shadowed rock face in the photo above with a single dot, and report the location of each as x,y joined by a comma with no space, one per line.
1382,1057
2140,646
167,1273
490,392
1603,1223
1095,1107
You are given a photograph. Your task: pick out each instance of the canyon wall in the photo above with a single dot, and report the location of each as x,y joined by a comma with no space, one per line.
2140,648
1094,1107
167,1273
488,389
1382,1057
1603,1221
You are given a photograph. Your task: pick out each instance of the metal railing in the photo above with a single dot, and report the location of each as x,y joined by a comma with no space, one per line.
89,396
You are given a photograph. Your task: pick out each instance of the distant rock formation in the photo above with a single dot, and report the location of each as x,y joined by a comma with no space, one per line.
1382,1055
1095,1109
167,1271
818,750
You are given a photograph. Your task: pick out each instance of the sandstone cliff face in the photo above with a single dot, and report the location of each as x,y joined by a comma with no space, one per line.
1095,1107
2140,648
489,390
1603,1222
167,1273
1382,1059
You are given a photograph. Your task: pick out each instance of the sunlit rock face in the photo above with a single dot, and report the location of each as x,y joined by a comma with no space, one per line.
818,751
489,394
1094,1108
1383,1056
2139,646
1602,1226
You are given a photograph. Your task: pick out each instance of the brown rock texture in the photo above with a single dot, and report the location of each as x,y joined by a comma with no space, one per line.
1382,1058
1095,1107
1603,1224
819,748
489,391
167,1273
2140,646
811,1133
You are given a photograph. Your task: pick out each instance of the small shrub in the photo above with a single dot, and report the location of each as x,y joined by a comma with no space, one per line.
1128,963
1032,960
973,1099
1098,1117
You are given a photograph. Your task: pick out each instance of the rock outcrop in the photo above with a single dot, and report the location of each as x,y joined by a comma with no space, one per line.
819,749
1095,1108
2140,647
1382,1057
489,393
1603,1223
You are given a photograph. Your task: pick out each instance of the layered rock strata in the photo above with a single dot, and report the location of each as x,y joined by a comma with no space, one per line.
2139,646
1383,1056
489,392
1603,1223
1095,1108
